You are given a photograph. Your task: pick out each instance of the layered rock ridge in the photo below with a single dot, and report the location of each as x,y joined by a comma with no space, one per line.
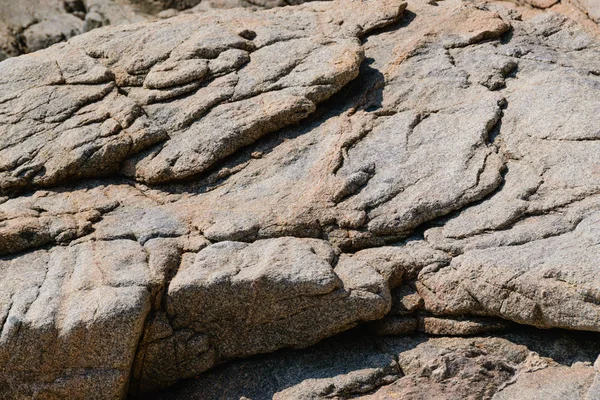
181,193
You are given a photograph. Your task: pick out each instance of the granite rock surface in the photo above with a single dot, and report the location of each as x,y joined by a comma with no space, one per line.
30,25
188,192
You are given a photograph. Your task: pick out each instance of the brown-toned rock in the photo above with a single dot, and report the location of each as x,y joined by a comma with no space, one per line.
223,184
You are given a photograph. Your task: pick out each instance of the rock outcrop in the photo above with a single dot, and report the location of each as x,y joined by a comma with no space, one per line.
28,26
217,185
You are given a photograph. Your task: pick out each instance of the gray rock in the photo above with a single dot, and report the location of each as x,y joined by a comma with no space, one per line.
50,217
547,283
540,3
70,118
235,299
85,305
558,382
50,31
590,7
360,366
30,25
518,238
341,367
266,179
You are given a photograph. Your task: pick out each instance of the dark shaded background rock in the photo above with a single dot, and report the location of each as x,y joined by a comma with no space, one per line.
356,365
30,25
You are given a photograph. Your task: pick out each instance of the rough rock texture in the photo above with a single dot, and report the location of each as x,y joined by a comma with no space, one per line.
208,85
235,299
536,238
590,7
586,12
30,25
212,186
513,366
68,301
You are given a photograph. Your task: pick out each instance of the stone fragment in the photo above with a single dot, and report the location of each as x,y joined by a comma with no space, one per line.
234,299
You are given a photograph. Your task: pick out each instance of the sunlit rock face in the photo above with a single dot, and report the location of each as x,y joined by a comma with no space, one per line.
219,185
